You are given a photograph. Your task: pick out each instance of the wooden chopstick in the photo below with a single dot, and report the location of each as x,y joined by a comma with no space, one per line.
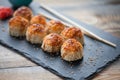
86,32
53,18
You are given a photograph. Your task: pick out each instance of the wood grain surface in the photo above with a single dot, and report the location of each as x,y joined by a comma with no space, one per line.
104,14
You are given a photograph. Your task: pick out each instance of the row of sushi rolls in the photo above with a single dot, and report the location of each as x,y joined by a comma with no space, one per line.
53,35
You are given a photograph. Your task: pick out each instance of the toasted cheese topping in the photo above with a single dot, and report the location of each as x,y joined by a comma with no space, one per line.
72,32
71,50
24,12
36,29
38,19
55,26
72,45
53,39
18,21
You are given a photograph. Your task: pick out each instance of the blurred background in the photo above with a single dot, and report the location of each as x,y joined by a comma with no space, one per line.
104,14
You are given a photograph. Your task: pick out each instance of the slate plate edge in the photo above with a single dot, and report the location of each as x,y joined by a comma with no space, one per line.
34,60
38,62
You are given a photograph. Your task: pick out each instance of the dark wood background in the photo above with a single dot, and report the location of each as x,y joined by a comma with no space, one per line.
104,14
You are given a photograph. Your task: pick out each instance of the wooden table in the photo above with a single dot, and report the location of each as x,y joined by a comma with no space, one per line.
102,14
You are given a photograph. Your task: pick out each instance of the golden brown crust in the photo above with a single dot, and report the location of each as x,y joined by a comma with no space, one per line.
24,12
72,32
55,26
18,21
71,50
53,39
18,26
38,19
35,33
52,43
72,45
36,29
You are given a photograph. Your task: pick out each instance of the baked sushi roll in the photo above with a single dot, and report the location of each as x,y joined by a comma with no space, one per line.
18,26
52,43
24,12
54,26
73,32
71,50
35,33
38,19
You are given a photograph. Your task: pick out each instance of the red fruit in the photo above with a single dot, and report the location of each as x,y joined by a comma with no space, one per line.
5,12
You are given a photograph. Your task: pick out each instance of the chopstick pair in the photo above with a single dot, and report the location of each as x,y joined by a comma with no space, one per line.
86,32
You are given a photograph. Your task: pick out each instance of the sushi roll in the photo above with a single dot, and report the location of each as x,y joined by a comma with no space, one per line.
71,50
52,43
35,33
18,26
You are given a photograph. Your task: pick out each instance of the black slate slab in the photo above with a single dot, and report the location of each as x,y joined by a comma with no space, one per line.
97,55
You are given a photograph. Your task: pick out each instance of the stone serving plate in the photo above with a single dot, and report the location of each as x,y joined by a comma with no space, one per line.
97,55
